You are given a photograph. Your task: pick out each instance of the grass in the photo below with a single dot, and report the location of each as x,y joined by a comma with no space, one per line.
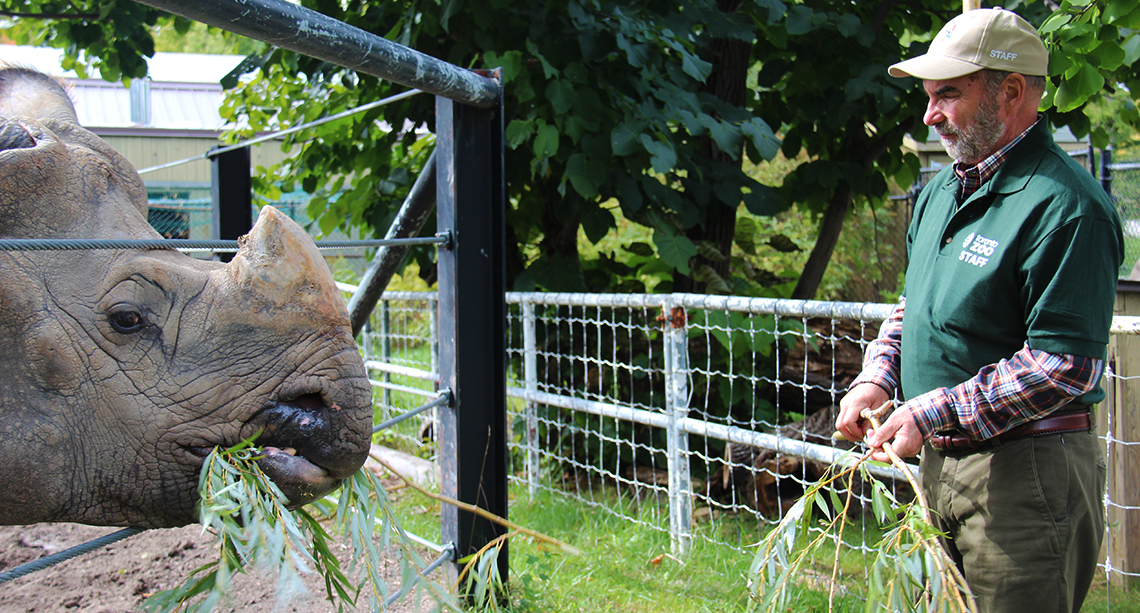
628,567
624,566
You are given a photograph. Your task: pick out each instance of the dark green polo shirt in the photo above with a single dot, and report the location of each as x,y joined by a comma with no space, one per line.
1031,256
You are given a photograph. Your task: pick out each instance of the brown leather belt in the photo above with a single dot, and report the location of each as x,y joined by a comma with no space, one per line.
1057,423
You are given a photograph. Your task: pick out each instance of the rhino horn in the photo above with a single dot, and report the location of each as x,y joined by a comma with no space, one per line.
279,265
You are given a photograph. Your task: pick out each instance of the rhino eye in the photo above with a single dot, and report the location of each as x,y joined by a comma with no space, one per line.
127,320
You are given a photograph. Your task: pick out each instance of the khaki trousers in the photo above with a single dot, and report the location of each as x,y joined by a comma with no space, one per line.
1024,519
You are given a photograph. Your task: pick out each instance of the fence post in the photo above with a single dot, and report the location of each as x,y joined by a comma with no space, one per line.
1106,169
470,205
1123,458
530,375
677,407
231,190
386,348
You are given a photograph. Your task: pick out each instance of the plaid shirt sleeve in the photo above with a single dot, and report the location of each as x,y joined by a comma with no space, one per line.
881,360
1029,385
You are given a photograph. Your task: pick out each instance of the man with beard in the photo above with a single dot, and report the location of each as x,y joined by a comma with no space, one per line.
998,344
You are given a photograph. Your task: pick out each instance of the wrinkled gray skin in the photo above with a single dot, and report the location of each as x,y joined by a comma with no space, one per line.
120,370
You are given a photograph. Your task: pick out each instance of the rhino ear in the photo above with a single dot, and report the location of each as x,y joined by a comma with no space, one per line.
33,95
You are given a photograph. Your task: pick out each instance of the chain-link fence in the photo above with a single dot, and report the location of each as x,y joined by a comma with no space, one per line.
1125,187
401,352
699,416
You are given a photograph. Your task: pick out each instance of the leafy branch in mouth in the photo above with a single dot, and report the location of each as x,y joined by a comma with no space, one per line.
248,515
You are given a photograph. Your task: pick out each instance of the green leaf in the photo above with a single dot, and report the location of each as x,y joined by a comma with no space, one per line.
696,67
726,136
1131,47
800,20
760,199
1109,55
548,71
561,95
546,141
624,139
662,156
762,137
1115,10
714,283
517,132
636,53
586,175
675,250
783,244
1053,23
848,24
1076,90
642,249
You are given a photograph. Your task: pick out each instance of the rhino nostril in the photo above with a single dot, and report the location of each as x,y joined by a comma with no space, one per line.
307,402
14,136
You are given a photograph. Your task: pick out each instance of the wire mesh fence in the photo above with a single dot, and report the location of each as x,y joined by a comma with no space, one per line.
699,416
400,348
1126,193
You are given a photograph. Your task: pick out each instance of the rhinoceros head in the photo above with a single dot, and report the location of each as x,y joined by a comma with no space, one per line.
120,370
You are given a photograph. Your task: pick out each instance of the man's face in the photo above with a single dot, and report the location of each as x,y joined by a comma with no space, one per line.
965,116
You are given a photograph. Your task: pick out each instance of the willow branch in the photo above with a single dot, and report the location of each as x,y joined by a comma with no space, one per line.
485,514
936,552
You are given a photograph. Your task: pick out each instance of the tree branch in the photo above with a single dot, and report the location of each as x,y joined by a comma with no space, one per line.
49,15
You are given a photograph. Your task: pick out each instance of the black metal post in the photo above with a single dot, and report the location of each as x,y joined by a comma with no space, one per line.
305,31
410,218
1105,170
231,190
470,205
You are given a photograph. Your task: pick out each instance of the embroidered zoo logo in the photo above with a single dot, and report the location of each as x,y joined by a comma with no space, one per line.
977,250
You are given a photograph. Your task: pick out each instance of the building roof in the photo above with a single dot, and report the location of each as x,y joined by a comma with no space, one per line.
183,92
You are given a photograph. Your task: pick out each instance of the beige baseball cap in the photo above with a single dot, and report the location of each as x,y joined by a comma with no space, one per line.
977,39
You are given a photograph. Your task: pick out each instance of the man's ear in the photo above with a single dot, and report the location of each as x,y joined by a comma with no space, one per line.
1014,89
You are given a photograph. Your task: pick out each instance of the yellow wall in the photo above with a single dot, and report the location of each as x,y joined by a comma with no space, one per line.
146,151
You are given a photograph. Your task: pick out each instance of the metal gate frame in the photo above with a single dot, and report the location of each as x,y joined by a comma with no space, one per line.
470,205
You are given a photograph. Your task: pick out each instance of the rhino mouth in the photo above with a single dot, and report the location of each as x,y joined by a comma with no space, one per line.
302,450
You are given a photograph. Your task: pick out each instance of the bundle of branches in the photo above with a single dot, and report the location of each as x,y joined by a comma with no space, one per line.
911,571
246,511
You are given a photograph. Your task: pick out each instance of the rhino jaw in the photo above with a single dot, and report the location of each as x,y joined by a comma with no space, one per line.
305,453
302,447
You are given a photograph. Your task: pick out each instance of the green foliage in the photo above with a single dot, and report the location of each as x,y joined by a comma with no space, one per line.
1093,47
248,514
110,36
911,571
621,105
200,38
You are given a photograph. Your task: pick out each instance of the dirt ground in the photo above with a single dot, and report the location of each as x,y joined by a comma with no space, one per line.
118,578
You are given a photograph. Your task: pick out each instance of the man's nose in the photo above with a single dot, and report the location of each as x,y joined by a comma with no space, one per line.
933,115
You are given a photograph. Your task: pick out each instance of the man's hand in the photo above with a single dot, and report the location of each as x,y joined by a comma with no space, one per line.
863,396
901,431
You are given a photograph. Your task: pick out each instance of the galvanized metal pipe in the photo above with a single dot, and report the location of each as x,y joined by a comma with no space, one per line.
732,434
305,31
677,443
408,222
776,306
530,375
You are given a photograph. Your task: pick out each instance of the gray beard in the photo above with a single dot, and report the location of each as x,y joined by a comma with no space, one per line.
976,141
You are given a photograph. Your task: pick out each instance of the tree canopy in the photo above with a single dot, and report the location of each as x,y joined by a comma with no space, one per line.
619,111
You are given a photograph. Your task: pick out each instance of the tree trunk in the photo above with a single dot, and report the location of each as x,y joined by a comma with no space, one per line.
829,230
728,82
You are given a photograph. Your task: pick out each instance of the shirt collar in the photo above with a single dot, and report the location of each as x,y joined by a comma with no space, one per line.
971,178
